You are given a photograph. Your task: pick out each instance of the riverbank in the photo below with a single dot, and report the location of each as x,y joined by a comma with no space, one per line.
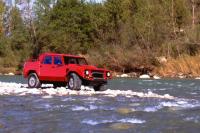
9,71
182,67
130,75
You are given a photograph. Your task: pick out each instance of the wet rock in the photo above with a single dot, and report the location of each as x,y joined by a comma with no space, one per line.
156,77
1,126
121,126
125,110
133,75
182,77
145,76
124,76
10,74
118,76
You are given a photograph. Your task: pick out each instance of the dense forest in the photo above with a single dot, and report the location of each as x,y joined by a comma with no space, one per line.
122,35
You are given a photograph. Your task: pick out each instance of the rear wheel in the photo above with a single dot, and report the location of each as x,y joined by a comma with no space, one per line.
74,82
33,81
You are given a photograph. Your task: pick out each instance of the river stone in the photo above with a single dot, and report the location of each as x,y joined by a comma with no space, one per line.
121,126
156,77
124,76
124,110
1,126
145,76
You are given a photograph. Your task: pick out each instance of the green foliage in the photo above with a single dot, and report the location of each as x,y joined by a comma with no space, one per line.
69,26
124,35
15,45
17,31
2,9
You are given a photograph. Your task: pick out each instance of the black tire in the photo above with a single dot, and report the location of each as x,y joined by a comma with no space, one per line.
74,82
33,81
99,88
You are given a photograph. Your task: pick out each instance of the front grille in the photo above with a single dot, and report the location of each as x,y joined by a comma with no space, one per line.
97,75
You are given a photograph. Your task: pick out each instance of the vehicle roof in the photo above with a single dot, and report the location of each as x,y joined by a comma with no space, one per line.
56,54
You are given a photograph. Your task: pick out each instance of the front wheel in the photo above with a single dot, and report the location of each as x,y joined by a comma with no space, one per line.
74,82
33,81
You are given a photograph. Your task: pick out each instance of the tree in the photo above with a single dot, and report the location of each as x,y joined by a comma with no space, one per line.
2,9
71,21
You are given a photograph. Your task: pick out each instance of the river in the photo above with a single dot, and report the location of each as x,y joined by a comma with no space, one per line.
127,106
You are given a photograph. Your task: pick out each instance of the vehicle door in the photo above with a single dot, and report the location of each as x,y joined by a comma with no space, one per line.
46,68
70,63
59,70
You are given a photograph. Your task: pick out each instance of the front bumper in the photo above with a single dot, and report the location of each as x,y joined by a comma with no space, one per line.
94,82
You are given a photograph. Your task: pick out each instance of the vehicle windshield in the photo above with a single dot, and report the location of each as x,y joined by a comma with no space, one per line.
73,60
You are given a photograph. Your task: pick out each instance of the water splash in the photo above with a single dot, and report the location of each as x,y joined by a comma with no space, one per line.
126,120
21,90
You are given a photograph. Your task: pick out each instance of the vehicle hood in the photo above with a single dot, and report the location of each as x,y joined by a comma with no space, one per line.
89,67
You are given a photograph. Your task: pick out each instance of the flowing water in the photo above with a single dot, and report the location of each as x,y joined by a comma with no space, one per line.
127,106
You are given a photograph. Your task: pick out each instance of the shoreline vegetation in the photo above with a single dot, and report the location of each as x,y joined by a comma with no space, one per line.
183,67
132,38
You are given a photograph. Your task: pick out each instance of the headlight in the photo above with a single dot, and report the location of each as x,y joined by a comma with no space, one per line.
87,72
108,74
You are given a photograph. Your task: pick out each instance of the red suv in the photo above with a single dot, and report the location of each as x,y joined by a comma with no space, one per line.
62,69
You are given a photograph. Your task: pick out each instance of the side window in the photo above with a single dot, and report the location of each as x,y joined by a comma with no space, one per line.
57,60
47,60
72,61
66,60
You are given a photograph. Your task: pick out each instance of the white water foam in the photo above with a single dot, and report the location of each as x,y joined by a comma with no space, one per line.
92,107
130,120
152,109
180,104
93,122
82,108
79,108
21,90
127,120
49,107
177,104
68,99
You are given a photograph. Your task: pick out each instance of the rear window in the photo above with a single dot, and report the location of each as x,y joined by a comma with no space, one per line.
47,60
